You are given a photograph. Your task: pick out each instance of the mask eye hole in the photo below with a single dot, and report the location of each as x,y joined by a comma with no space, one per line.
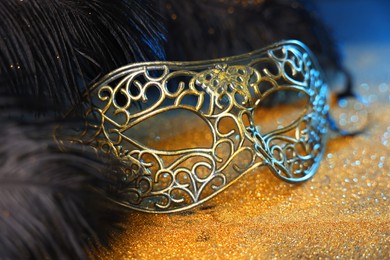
279,109
170,130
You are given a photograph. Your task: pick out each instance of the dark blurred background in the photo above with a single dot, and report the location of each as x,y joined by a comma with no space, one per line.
362,30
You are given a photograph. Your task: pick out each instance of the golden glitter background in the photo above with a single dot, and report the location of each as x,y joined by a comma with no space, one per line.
343,212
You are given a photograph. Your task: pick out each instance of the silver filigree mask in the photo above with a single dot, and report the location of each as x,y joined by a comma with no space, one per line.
224,95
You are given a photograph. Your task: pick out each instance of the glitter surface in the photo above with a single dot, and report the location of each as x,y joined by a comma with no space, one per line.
342,213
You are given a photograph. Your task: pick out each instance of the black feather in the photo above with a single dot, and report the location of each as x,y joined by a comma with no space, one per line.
55,204
205,29
58,203
56,48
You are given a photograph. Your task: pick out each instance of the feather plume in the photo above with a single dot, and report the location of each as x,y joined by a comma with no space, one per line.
54,204
57,48
59,203
205,29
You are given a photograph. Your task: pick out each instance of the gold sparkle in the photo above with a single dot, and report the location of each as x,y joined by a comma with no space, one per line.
343,212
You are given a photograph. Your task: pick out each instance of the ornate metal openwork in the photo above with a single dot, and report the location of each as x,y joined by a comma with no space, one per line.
215,91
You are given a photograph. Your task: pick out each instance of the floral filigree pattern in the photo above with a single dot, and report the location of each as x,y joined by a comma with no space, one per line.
219,90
